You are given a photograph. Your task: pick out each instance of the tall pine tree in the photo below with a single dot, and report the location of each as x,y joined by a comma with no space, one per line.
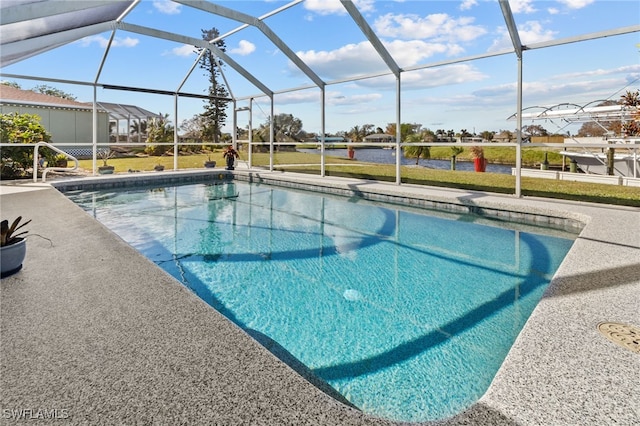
214,115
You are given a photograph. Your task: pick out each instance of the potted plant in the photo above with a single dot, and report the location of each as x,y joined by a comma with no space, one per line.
209,164
545,164
106,169
479,162
230,155
60,160
13,246
53,159
351,152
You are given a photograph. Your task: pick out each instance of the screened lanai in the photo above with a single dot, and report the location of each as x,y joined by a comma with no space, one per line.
438,64
131,115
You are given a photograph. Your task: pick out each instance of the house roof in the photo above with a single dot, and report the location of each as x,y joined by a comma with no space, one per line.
12,95
126,112
380,136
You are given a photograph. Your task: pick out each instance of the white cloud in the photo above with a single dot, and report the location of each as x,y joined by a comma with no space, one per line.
103,41
166,7
533,32
409,47
577,88
349,60
184,50
336,98
298,97
530,32
409,53
244,48
439,27
571,91
334,7
332,97
628,69
430,78
576,4
522,6
361,59
325,7
468,4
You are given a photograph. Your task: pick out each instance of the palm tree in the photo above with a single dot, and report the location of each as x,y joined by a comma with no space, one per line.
160,130
455,151
418,151
139,127
356,134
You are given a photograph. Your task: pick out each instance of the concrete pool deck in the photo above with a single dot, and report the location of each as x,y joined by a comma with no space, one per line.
94,333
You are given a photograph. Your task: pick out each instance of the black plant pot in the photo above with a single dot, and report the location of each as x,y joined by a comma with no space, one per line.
230,162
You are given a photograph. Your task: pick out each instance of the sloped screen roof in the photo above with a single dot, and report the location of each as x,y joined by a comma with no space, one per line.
300,48
126,112
30,27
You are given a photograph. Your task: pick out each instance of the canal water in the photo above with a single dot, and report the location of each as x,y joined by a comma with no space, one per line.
388,156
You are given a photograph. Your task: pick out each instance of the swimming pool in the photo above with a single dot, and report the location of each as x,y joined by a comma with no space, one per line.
408,314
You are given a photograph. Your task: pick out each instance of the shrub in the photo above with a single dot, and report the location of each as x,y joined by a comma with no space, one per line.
16,128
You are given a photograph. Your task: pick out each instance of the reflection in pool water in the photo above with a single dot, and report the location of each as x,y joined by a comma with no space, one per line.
407,314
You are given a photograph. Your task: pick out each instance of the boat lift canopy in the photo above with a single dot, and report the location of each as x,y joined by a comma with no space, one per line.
573,113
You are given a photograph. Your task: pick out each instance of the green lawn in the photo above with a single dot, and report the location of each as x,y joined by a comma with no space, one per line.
340,166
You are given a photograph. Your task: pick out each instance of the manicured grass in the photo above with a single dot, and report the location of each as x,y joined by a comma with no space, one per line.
531,157
340,166
195,161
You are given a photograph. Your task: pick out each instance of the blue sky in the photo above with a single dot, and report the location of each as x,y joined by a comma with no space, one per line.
475,95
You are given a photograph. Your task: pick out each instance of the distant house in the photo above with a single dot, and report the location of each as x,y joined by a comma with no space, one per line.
472,139
380,137
68,122
331,139
71,122
504,136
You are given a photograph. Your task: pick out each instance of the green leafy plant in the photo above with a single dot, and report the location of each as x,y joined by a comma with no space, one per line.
18,129
9,234
54,158
456,150
477,151
159,130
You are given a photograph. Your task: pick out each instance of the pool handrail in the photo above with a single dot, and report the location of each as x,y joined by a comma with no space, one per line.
47,169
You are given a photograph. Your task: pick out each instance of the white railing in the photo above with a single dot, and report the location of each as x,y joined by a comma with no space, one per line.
47,169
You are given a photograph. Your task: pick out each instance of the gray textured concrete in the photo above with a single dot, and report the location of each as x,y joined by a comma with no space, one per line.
94,330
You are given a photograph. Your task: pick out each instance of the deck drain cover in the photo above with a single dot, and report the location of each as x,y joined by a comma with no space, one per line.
624,335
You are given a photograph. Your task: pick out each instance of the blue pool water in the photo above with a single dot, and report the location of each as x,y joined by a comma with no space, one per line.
408,314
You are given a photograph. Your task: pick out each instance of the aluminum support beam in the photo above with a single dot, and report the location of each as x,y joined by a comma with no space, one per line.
371,36
216,9
138,29
511,27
